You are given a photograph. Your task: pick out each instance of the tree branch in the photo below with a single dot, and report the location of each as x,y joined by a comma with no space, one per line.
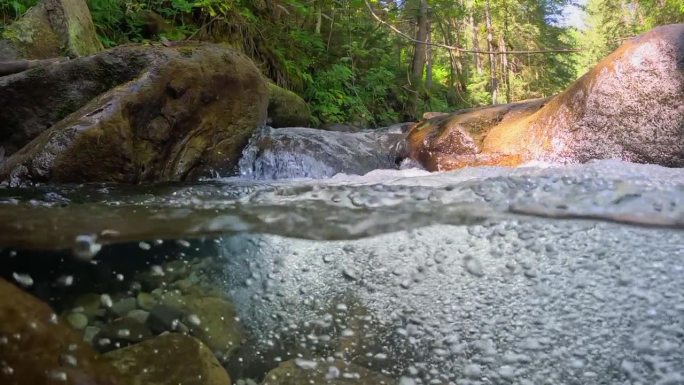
459,49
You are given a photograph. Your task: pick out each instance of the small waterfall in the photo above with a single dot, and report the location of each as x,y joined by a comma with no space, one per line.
297,152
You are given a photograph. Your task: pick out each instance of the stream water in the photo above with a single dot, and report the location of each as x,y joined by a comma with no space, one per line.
542,274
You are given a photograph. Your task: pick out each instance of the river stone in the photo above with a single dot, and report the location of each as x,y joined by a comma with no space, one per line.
170,359
121,332
89,304
145,301
164,318
36,357
298,372
90,333
123,306
218,325
138,315
78,321
286,109
50,29
175,113
629,106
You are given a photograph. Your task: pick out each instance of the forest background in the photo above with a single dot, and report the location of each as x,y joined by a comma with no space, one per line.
372,63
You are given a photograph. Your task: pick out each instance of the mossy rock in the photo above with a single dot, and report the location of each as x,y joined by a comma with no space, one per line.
286,109
50,29
170,359
176,113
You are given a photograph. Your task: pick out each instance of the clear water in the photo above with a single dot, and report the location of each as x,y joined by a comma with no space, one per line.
537,275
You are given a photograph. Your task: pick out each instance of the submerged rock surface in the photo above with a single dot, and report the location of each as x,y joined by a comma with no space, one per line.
172,114
37,348
170,359
629,106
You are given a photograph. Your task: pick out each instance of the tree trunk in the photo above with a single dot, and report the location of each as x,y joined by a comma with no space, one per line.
428,60
475,42
419,52
319,18
490,48
504,68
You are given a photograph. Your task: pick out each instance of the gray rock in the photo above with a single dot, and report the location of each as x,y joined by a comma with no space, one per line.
89,333
164,318
138,315
297,152
123,306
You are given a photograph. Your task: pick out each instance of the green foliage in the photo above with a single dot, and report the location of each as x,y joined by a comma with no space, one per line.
350,68
10,10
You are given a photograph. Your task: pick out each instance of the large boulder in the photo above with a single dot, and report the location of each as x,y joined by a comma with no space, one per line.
52,28
286,109
156,114
37,348
170,359
629,106
297,152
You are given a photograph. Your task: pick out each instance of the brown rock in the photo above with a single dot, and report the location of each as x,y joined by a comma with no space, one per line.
214,322
211,97
37,348
628,107
170,359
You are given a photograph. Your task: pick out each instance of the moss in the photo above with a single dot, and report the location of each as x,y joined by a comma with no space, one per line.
287,109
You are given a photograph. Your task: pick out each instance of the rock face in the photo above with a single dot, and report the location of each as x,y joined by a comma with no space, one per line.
297,152
183,359
629,106
41,349
50,29
449,141
156,114
286,109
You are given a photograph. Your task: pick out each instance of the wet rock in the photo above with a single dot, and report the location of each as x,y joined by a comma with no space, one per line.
170,359
123,306
286,109
51,28
89,304
121,332
340,127
298,371
38,342
627,107
138,315
213,321
78,321
164,318
172,114
449,141
145,301
296,152
89,334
